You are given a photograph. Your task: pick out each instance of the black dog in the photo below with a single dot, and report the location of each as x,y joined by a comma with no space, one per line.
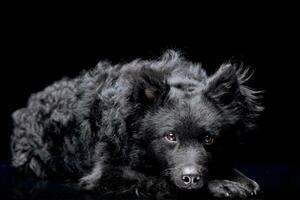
159,126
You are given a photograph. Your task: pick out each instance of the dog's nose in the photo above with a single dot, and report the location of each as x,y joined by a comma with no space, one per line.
190,175
191,179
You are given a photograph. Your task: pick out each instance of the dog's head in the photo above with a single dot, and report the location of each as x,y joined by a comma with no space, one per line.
187,127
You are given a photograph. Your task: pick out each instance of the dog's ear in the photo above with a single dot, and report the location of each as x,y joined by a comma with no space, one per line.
223,86
149,88
227,89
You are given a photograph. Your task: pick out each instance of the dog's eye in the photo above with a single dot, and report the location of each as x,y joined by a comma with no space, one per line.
170,137
208,140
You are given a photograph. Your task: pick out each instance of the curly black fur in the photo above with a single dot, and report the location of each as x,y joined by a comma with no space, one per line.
106,129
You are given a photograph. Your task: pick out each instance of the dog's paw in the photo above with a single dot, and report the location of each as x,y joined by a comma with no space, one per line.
231,189
253,187
87,184
142,195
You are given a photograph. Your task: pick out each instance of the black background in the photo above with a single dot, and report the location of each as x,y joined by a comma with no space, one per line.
41,45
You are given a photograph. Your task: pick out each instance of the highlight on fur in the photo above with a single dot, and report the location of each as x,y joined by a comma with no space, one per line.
141,127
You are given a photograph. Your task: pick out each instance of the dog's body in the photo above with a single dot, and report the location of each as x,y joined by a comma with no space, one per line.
142,126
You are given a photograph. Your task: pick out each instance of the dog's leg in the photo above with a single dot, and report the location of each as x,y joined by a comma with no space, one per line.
243,179
146,187
236,185
91,180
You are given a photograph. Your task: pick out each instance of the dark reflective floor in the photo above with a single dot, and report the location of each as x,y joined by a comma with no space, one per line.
278,181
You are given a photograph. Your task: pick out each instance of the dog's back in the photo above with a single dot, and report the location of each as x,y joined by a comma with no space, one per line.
48,129
45,110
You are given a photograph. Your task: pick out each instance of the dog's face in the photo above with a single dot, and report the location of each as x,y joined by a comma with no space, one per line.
188,129
183,138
